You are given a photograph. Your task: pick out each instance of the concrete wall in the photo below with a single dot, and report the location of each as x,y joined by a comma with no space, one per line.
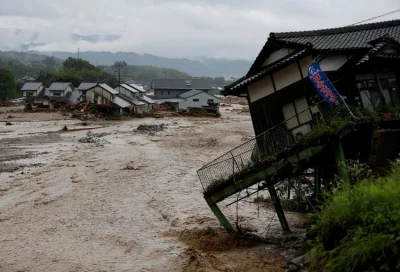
202,101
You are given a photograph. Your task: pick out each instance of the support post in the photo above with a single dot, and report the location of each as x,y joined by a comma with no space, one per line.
278,208
341,162
221,217
317,182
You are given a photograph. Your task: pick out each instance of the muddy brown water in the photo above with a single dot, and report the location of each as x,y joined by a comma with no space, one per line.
133,203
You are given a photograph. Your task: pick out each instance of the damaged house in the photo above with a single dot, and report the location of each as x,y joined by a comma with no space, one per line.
362,62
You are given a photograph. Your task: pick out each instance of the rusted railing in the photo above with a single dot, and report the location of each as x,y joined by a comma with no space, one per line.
270,143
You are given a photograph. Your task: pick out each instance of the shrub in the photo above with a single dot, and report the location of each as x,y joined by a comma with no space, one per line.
359,229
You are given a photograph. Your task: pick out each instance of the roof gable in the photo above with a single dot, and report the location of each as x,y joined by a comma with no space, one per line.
59,86
129,88
342,38
31,86
138,88
86,86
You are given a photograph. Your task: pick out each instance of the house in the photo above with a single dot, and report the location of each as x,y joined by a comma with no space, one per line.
140,90
101,94
362,61
135,94
60,89
32,89
83,87
196,99
172,88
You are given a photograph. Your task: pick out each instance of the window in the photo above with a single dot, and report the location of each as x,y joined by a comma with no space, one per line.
169,92
29,93
296,113
210,101
162,92
56,93
195,100
371,95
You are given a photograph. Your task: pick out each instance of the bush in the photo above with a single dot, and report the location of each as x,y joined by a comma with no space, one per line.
359,229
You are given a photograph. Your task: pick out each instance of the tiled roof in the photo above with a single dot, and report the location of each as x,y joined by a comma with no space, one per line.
270,68
59,86
31,86
147,99
181,84
129,88
350,37
86,86
377,44
108,88
122,103
133,101
190,93
138,88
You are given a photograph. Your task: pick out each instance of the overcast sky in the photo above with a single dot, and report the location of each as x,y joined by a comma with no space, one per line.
235,29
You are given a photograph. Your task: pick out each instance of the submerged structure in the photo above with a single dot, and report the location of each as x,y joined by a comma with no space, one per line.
296,130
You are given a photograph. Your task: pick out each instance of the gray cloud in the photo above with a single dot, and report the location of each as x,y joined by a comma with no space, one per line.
173,28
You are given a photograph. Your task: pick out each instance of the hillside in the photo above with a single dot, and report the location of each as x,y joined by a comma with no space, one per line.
206,67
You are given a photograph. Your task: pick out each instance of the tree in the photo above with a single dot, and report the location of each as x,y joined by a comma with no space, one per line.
7,84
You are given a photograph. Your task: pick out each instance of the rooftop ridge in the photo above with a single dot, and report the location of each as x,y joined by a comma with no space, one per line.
329,31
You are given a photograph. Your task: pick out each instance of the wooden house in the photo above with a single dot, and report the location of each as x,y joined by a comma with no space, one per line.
135,95
362,62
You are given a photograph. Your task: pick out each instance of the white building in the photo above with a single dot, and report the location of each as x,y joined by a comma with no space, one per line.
196,99
32,89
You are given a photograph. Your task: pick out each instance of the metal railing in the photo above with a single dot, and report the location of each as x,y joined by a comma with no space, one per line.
272,142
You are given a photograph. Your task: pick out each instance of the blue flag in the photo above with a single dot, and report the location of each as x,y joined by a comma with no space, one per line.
322,84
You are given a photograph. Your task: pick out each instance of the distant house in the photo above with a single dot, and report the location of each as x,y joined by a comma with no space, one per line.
135,95
196,99
172,88
83,87
59,93
101,94
32,89
140,90
60,89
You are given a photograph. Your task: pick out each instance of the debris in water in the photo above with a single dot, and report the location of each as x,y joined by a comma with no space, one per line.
152,128
9,124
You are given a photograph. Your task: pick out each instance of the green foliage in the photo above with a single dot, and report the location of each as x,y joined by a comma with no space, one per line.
327,127
7,84
359,228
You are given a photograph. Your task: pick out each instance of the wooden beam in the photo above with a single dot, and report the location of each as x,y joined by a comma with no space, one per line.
220,216
278,208
273,82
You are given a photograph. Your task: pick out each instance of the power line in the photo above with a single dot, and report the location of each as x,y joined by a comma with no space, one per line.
376,17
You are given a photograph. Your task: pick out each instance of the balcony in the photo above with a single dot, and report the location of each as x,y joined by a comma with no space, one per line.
260,152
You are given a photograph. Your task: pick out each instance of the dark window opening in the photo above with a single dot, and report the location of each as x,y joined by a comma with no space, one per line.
195,100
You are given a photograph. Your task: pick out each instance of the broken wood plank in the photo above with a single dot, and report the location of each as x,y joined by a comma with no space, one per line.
65,128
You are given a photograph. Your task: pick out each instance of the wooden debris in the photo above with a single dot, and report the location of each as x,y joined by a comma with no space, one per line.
65,128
